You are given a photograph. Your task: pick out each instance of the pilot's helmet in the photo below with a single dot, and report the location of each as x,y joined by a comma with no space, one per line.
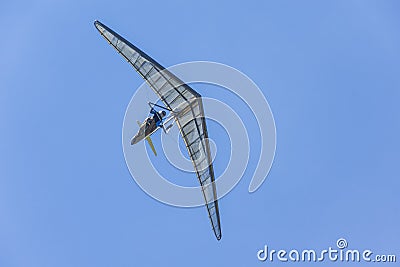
162,113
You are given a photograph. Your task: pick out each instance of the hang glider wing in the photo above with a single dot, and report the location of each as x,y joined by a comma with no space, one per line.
187,108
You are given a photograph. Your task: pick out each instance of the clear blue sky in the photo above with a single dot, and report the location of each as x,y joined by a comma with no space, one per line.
329,69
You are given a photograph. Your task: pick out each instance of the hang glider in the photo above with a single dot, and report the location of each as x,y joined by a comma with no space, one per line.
187,109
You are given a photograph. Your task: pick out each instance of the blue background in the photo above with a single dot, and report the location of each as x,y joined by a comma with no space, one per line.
329,69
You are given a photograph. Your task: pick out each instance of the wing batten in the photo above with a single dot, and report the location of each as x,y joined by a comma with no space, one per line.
188,114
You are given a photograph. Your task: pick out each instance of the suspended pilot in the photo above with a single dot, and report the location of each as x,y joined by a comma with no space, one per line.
158,116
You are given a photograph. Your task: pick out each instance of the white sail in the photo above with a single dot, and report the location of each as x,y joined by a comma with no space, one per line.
187,109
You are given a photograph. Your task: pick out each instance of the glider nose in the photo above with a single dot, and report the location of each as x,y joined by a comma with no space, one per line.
134,140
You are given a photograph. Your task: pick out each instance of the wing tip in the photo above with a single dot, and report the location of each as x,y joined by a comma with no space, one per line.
97,23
